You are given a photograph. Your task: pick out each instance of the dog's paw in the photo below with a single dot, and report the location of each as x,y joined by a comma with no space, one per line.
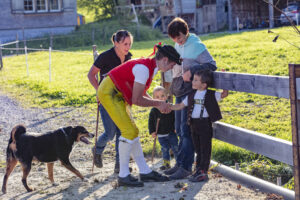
54,184
3,190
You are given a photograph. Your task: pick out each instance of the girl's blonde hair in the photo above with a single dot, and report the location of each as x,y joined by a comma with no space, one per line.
159,88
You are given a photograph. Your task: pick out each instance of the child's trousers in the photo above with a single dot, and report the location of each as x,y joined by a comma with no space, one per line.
202,136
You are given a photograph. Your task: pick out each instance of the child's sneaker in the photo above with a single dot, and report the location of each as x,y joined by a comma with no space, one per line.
198,176
166,165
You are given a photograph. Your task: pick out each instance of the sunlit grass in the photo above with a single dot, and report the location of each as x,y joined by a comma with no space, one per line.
246,52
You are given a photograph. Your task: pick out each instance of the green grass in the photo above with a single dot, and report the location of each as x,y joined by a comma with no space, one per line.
246,52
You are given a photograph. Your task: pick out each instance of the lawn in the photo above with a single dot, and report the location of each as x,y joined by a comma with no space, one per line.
246,52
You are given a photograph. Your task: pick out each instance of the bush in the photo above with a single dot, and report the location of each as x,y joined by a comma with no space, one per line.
268,171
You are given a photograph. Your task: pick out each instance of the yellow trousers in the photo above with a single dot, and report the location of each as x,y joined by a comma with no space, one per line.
117,108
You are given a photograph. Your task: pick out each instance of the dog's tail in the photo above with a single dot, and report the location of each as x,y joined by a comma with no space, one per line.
15,134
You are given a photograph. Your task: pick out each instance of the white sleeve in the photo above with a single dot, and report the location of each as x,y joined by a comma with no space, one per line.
141,73
168,76
218,96
185,101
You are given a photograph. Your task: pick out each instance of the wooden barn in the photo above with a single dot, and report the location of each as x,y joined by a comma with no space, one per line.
204,16
32,18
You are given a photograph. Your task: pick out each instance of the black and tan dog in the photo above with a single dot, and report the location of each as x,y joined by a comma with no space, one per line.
49,147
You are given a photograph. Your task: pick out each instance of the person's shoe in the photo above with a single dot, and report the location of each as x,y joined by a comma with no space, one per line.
153,176
97,158
132,178
180,174
117,168
166,165
199,176
129,181
171,170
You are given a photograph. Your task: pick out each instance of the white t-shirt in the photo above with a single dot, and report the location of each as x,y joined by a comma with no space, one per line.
199,95
141,73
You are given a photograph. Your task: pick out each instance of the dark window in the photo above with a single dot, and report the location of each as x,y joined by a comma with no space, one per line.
208,2
54,5
41,5
199,3
28,5
31,6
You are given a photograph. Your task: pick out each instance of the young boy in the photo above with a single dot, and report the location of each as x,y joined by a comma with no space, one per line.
203,109
193,52
166,129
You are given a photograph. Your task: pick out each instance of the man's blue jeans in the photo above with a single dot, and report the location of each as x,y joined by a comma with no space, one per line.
110,130
167,143
185,157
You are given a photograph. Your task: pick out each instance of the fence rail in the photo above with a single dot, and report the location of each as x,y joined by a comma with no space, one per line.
262,144
277,86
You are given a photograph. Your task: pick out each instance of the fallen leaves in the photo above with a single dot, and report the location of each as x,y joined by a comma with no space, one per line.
272,196
182,186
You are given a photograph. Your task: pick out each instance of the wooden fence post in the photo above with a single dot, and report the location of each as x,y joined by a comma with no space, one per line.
25,49
294,73
95,53
50,49
93,36
279,181
237,166
1,62
17,44
51,41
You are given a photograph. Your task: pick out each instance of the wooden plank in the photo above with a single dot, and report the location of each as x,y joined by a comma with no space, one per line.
263,144
277,86
297,72
295,111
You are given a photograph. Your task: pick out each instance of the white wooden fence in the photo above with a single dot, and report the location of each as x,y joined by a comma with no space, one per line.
277,86
263,144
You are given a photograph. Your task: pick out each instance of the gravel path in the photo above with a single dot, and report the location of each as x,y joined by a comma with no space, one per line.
102,183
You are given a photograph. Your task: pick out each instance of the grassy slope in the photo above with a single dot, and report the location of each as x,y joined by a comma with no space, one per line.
247,52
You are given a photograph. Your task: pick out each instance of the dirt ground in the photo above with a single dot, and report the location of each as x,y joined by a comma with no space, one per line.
101,183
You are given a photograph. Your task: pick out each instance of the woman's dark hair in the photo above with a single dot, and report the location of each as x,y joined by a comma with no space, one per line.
120,35
177,26
169,52
206,76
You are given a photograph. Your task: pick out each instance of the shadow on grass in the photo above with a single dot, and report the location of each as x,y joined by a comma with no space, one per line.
47,119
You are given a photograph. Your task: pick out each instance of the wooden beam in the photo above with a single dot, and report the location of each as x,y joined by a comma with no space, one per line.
263,144
277,86
295,112
271,14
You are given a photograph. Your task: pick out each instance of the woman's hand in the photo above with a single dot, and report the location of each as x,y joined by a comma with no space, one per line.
153,135
164,107
187,76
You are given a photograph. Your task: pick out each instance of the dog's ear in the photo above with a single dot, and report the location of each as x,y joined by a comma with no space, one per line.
68,129
80,129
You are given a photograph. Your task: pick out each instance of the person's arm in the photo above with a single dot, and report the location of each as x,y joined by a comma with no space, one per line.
92,76
141,75
139,99
147,95
178,106
204,60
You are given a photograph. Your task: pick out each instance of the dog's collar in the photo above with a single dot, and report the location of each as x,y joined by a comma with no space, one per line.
66,136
